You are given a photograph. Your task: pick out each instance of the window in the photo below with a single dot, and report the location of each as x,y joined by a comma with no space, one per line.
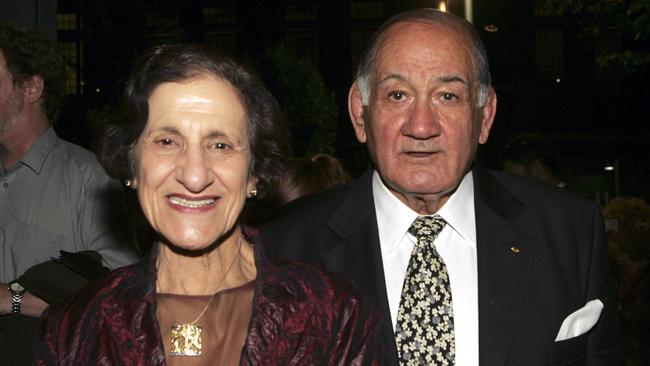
301,12
72,52
224,14
366,10
542,9
66,22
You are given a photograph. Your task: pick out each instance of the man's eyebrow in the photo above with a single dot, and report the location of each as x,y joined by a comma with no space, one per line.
453,79
391,77
444,79
166,129
216,133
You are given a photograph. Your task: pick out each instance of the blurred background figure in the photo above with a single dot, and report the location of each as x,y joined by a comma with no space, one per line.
530,156
305,176
61,216
300,177
628,245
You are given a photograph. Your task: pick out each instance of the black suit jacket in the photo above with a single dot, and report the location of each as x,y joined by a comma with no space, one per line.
523,295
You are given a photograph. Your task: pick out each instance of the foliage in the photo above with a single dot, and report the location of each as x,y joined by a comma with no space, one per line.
309,107
619,28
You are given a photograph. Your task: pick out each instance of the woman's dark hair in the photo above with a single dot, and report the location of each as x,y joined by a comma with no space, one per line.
180,62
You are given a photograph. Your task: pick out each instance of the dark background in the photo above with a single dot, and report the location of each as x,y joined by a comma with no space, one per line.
545,71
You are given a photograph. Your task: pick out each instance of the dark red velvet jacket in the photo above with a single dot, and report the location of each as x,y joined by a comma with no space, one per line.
301,316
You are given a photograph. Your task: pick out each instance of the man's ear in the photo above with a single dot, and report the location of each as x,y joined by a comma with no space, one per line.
488,111
33,89
355,108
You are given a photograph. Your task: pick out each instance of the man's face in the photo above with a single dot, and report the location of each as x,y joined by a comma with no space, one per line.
11,98
422,124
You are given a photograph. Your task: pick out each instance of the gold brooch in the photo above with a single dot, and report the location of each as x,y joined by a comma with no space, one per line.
186,340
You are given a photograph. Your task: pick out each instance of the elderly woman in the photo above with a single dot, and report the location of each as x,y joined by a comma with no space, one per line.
201,138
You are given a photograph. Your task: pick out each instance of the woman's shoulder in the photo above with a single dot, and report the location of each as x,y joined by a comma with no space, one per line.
303,282
319,313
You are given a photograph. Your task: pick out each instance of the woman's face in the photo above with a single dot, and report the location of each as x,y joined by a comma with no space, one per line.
192,162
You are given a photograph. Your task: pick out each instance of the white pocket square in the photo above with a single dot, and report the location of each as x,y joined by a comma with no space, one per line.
580,321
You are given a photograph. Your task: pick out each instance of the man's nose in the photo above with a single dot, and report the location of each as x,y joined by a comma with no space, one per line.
423,120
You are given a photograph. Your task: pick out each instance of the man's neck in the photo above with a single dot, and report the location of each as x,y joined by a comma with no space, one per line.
16,141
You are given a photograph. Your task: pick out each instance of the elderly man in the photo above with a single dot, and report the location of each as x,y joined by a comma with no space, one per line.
54,196
471,266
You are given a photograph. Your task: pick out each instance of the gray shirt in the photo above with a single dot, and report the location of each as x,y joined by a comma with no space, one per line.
58,197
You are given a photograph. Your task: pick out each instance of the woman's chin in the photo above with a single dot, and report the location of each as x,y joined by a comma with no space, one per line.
194,245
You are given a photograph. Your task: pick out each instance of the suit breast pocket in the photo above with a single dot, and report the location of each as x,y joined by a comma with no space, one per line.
570,352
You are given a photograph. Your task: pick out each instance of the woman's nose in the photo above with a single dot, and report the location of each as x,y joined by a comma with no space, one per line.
195,171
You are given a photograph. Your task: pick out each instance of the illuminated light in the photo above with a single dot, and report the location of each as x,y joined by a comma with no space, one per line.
608,168
558,80
98,90
492,28
442,6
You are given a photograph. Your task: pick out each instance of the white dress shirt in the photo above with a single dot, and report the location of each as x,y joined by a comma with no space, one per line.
456,244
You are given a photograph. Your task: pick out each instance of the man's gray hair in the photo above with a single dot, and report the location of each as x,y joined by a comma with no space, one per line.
432,16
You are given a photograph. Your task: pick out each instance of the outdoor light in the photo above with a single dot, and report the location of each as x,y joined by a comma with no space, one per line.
558,80
608,168
97,90
442,6
492,28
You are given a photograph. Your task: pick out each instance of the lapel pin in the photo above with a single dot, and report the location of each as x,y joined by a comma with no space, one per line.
515,249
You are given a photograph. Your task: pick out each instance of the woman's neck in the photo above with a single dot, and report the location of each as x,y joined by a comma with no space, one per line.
228,265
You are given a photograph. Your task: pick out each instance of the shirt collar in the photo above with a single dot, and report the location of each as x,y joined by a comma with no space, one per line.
394,217
458,211
35,157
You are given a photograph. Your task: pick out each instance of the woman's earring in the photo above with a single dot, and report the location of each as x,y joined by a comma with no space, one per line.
128,182
253,192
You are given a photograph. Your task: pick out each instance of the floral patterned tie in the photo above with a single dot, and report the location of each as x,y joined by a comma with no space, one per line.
425,319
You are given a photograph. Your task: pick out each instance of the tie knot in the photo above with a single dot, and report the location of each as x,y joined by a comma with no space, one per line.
427,226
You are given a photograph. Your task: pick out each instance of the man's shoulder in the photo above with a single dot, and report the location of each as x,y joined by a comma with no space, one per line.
536,193
79,157
80,167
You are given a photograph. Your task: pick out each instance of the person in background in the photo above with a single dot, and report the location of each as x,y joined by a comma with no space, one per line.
299,177
530,156
305,176
469,266
56,201
198,138
628,244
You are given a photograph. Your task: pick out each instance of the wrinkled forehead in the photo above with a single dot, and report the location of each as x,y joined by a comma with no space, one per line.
426,42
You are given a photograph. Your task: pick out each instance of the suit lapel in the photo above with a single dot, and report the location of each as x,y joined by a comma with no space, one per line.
504,258
358,254
504,254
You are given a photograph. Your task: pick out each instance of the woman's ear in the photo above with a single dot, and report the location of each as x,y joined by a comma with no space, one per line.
251,187
131,183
